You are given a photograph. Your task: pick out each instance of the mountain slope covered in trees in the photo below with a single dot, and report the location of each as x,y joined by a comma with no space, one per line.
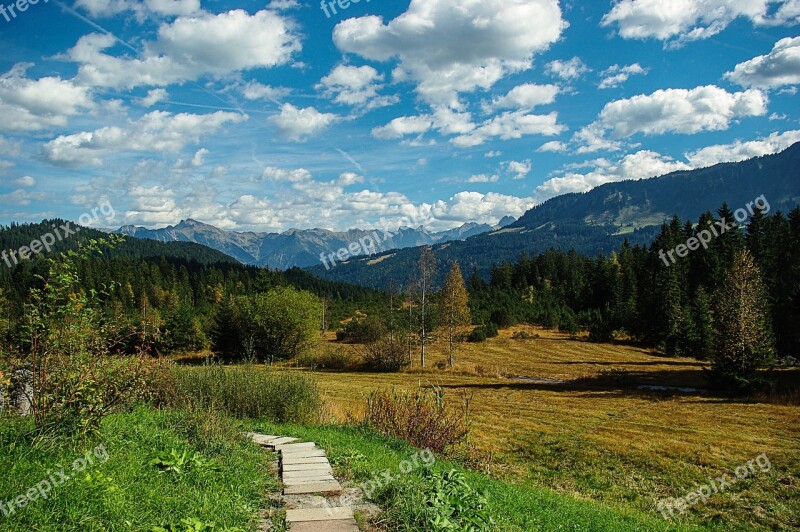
600,220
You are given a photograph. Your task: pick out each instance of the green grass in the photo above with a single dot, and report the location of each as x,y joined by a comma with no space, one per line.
361,455
126,492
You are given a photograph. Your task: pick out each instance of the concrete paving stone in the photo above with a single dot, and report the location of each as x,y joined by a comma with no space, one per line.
281,441
308,453
346,525
316,487
307,473
291,460
308,480
289,447
319,514
307,467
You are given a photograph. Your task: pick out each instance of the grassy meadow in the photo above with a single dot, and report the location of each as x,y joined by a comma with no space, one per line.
567,415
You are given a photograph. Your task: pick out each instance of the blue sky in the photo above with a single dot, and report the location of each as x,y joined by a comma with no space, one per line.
270,116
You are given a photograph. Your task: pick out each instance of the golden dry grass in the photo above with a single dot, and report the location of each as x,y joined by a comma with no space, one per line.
596,435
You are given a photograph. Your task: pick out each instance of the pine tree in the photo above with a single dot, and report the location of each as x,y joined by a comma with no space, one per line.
455,306
743,340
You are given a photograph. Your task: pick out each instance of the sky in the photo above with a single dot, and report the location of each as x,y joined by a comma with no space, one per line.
287,114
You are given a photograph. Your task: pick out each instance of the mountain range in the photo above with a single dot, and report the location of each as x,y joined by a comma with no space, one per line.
598,221
297,247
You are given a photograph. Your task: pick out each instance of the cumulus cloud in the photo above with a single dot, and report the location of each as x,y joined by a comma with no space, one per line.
616,75
518,169
454,46
153,97
689,20
25,182
188,48
554,146
510,125
355,86
298,124
568,70
402,126
158,131
527,96
483,178
258,91
483,208
708,108
781,66
32,105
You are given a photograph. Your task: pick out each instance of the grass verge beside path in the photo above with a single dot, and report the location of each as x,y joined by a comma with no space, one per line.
225,486
363,455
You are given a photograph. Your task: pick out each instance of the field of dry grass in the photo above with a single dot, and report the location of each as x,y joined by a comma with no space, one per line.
570,415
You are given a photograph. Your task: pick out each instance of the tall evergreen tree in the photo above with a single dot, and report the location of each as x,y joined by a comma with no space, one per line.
743,340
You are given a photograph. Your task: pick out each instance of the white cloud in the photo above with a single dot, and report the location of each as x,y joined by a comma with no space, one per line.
739,151
553,146
646,164
158,131
708,108
518,169
483,178
355,86
493,153
22,198
272,173
402,126
481,208
527,96
188,48
257,91
616,75
297,124
639,165
511,125
106,8
153,97
25,182
781,66
568,70
689,20
455,46
349,178
32,105
10,148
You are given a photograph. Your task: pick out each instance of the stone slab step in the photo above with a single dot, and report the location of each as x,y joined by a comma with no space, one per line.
291,447
344,525
308,480
293,460
261,439
313,487
307,453
319,514
307,473
306,467
281,441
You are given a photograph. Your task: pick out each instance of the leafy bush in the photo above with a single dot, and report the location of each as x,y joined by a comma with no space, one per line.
438,502
421,418
525,335
482,332
248,392
278,324
502,318
386,354
362,331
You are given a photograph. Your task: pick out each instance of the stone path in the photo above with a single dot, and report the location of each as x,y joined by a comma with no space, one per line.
307,475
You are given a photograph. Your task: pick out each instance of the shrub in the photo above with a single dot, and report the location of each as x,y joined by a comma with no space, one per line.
327,358
502,318
386,354
478,334
421,418
524,335
362,331
249,392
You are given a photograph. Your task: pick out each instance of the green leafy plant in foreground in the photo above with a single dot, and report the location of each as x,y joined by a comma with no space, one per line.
441,501
177,462
193,524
